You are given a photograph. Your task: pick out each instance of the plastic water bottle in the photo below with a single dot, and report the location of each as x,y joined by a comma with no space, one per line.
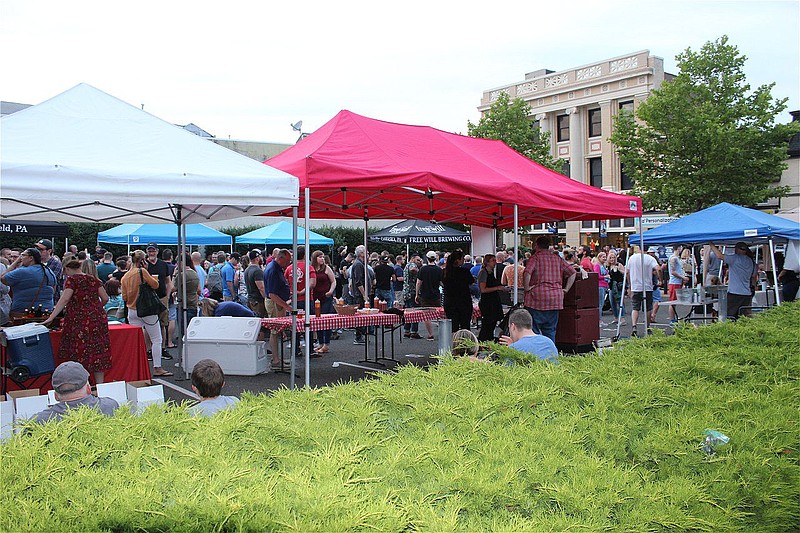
713,439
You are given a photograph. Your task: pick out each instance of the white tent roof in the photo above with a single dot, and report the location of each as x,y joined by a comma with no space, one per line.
87,156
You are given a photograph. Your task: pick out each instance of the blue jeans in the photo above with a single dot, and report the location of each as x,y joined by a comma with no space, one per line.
411,327
386,296
615,295
602,296
326,308
545,322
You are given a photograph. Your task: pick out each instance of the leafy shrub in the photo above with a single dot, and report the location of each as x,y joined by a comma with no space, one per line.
598,442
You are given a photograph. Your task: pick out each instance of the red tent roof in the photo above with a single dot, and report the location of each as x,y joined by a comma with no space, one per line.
354,164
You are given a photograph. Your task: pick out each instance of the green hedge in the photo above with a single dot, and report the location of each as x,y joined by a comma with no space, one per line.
607,441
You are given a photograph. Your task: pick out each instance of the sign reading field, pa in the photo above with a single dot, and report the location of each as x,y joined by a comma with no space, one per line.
657,220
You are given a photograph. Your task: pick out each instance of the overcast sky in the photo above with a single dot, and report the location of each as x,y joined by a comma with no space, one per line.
248,69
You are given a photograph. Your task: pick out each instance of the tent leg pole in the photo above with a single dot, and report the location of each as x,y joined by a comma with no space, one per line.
774,273
622,301
183,315
516,253
293,358
184,370
309,294
366,258
644,282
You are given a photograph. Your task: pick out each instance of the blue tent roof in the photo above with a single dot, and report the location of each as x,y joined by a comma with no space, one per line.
281,233
723,223
141,234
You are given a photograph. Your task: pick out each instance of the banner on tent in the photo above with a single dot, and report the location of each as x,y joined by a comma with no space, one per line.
657,220
424,240
39,229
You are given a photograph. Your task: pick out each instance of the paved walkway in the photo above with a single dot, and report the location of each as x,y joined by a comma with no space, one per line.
345,361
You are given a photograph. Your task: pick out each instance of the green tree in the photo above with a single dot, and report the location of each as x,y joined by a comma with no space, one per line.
704,137
509,121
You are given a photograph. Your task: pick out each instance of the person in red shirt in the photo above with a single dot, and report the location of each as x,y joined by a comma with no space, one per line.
299,268
546,279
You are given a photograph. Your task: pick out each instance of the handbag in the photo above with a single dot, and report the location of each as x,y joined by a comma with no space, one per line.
148,303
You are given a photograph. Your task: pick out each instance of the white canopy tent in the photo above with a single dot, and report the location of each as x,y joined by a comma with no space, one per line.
86,156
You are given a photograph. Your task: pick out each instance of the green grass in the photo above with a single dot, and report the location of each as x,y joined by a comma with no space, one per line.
599,442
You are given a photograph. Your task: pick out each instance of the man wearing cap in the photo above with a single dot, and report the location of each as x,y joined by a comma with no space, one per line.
278,299
254,281
228,273
72,390
160,270
51,261
742,275
429,280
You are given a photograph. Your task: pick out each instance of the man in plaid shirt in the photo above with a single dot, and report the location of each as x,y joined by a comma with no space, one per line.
545,275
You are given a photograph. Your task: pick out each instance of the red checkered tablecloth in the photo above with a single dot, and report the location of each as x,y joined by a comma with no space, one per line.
333,321
420,315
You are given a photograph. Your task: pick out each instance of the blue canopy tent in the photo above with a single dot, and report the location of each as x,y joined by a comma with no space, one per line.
724,224
281,233
141,234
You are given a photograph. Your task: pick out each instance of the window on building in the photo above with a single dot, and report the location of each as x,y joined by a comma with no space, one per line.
562,224
628,222
563,127
565,168
626,106
614,223
587,224
535,128
595,128
625,181
596,172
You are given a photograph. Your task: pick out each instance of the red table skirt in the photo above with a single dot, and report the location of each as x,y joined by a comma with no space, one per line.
128,358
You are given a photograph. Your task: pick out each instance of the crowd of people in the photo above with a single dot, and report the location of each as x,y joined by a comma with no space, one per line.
91,288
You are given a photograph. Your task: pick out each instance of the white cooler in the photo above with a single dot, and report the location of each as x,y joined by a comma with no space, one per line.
230,341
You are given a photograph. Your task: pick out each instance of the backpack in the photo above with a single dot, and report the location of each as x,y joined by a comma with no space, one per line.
214,282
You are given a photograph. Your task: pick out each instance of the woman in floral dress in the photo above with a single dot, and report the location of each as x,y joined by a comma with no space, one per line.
84,336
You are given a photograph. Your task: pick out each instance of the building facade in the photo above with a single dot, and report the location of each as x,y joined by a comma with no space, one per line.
578,107
789,205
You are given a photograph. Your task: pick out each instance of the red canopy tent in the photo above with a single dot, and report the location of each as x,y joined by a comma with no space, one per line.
356,166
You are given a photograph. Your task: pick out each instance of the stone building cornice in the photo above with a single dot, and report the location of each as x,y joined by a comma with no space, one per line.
549,84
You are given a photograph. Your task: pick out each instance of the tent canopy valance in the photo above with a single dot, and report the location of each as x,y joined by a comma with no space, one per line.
419,232
86,156
14,228
724,224
281,233
165,234
356,166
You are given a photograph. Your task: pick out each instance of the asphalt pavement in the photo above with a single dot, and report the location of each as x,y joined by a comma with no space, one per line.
346,361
